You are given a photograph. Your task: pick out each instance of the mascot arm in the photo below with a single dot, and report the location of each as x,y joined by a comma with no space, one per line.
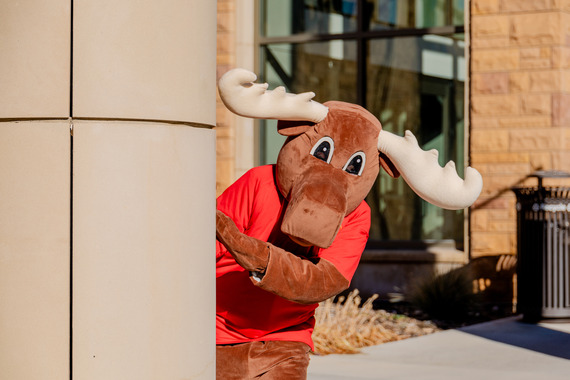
300,280
278,271
250,253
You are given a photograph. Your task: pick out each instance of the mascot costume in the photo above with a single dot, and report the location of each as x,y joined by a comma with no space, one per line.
290,235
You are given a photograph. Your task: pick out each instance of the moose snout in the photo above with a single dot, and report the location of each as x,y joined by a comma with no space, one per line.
317,207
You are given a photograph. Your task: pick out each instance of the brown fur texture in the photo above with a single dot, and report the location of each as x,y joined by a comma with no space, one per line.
274,360
300,280
321,194
250,253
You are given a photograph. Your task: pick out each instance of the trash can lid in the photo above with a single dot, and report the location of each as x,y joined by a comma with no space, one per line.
550,174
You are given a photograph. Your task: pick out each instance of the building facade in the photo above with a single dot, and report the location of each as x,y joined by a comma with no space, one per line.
486,82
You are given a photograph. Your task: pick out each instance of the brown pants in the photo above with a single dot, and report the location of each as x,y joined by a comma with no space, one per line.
272,360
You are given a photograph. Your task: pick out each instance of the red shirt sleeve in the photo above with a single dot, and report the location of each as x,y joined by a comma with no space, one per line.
236,202
347,248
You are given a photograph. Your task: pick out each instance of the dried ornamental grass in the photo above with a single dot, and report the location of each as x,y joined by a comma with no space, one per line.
345,327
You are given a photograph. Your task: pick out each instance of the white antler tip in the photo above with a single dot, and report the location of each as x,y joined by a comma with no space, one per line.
306,96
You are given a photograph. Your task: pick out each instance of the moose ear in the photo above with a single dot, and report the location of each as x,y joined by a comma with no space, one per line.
388,165
293,128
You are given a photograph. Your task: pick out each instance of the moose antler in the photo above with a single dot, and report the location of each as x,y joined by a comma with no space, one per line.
421,171
245,98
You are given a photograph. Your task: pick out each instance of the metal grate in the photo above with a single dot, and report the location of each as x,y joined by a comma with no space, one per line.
543,252
556,288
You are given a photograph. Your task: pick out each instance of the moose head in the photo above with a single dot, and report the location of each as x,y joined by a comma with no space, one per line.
333,154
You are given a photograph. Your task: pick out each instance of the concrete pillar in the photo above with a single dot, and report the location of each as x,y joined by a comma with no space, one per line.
107,190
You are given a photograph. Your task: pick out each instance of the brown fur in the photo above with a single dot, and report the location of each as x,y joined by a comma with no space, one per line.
320,195
274,360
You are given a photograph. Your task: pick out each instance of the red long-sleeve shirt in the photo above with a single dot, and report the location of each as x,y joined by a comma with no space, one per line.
247,313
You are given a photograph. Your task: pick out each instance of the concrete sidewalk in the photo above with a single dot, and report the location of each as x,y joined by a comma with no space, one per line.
503,349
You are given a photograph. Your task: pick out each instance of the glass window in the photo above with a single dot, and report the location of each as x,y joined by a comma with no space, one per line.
394,14
396,63
326,68
416,84
287,17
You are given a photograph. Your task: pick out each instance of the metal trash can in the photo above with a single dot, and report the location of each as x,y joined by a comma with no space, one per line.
543,266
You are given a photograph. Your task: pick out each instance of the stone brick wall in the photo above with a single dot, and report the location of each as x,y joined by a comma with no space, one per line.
225,120
519,107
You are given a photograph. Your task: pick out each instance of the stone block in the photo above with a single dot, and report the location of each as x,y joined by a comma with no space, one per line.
525,5
490,42
499,157
226,6
225,59
525,121
226,22
224,122
483,122
495,60
221,69
225,147
490,26
560,57
536,104
479,220
34,249
35,63
541,161
519,81
563,5
504,202
225,43
565,74
498,214
544,81
224,175
508,168
139,60
492,243
560,109
539,139
489,140
494,185
490,83
495,105
503,226
535,29
535,58
561,160
565,28
484,6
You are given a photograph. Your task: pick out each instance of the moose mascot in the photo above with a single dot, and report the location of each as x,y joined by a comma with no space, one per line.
290,235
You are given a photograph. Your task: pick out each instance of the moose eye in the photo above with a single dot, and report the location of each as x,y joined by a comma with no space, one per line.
323,149
355,163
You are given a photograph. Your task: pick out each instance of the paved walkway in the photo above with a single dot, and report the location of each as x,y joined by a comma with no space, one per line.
504,349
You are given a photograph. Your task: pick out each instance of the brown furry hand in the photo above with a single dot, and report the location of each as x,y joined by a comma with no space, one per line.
252,254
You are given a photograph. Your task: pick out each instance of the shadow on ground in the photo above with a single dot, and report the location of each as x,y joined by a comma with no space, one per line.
543,338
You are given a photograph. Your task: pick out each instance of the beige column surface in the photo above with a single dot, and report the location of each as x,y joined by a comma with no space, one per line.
107,237
34,250
145,60
143,254
34,59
